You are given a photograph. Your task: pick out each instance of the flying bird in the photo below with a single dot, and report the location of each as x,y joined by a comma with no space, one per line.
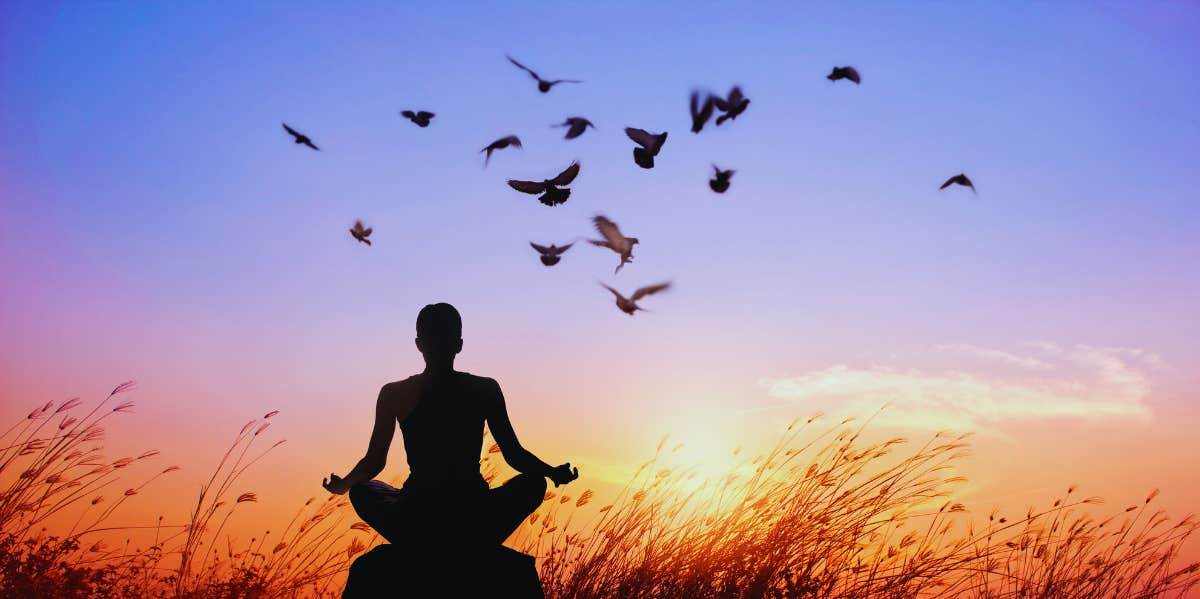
650,145
500,144
613,240
732,106
576,126
360,233
300,137
959,179
720,181
550,255
543,85
700,112
420,118
552,195
629,305
849,73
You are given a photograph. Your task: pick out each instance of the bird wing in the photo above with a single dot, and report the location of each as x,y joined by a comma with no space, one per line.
706,111
425,115
614,291
309,143
541,249
568,175
576,130
610,231
735,95
408,114
851,73
367,231
721,103
948,182
513,141
700,113
650,290
559,250
641,137
523,67
527,186
291,131
599,243
557,81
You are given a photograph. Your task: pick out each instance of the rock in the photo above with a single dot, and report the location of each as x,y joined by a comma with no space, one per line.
392,571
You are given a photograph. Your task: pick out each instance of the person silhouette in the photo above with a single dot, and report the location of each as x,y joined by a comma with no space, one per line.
441,413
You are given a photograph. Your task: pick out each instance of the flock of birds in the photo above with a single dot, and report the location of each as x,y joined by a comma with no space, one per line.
554,191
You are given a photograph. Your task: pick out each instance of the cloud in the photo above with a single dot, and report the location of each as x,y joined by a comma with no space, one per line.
997,355
1078,382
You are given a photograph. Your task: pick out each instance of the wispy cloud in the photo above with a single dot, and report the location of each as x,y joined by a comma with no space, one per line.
1001,356
1046,382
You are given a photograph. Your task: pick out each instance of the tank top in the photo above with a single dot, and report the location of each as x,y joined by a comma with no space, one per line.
443,435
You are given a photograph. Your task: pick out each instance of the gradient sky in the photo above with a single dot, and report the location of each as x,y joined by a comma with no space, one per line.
156,223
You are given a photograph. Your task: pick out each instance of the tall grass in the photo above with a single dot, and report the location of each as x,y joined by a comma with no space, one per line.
52,462
824,513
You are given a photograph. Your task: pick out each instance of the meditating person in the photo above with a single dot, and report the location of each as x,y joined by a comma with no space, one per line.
441,413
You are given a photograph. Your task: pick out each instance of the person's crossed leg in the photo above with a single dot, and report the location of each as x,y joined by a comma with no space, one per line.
402,516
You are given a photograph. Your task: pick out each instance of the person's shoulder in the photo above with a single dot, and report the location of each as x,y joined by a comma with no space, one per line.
399,387
475,379
482,383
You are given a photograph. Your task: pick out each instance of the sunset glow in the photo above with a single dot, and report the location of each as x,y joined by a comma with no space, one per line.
157,224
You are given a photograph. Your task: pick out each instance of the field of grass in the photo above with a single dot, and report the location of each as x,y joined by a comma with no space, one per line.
825,513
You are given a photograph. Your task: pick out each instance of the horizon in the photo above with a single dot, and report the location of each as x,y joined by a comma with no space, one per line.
157,224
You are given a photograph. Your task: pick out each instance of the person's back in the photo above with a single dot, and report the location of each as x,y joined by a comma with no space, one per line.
443,435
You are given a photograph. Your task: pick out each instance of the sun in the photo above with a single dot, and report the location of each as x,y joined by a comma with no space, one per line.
704,445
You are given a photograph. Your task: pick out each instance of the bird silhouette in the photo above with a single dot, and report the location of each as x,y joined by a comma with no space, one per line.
700,111
629,305
552,195
360,233
732,105
650,145
542,84
613,240
420,118
300,138
959,179
849,73
720,181
576,125
500,144
551,255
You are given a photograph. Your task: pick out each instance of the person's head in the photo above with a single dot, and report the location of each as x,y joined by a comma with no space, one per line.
439,332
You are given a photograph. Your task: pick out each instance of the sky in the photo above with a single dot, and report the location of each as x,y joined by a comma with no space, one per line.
157,224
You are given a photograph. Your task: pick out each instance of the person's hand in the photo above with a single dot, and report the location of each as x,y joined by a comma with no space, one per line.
563,474
334,484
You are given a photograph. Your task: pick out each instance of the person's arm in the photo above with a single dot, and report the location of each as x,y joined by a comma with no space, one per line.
376,458
521,459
